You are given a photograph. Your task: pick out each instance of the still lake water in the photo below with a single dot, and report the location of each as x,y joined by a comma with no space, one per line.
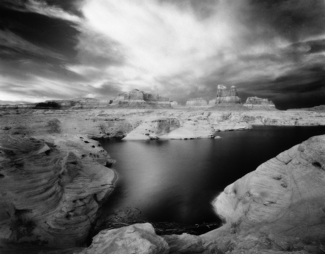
176,180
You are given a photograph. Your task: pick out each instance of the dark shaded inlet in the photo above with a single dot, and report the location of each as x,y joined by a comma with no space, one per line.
175,181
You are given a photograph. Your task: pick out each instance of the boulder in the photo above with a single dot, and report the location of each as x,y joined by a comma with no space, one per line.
197,102
137,238
259,103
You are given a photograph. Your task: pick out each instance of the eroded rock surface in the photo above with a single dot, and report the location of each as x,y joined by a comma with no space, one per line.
137,238
280,204
50,190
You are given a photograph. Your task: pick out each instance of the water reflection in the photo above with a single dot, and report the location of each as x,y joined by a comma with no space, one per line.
177,180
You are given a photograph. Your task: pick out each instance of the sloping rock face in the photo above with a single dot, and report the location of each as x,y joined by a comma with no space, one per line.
282,201
153,128
194,126
50,191
259,103
137,98
225,97
197,102
137,238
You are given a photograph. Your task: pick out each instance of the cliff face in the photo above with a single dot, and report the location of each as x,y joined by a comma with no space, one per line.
197,102
225,96
50,191
259,103
137,98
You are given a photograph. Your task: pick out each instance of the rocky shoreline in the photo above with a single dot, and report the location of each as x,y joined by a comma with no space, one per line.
54,178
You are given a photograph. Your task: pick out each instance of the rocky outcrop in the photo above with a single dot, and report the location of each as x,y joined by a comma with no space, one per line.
281,202
174,104
153,128
197,102
225,97
259,104
140,99
51,190
137,238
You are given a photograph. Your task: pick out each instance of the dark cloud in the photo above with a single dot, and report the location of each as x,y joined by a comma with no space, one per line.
47,32
108,90
291,19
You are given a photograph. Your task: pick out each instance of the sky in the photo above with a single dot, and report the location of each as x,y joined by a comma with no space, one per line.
183,49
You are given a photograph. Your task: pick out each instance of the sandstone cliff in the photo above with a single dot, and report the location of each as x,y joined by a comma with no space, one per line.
259,104
197,102
140,99
225,97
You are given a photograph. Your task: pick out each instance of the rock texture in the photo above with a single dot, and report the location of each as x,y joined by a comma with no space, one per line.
137,98
259,103
197,102
137,238
226,97
50,190
282,201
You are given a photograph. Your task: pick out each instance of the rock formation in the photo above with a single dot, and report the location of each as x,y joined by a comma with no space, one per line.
282,200
50,191
225,97
197,102
174,104
137,238
137,98
259,103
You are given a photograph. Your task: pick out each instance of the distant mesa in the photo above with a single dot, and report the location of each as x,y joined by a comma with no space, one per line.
225,96
197,102
137,98
259,103
78,103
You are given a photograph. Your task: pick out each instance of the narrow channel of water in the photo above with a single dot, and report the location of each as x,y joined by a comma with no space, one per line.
176,180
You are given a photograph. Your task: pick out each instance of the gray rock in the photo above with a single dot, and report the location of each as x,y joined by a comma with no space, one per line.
134,239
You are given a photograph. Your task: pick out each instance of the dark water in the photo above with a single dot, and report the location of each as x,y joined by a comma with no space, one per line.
176,180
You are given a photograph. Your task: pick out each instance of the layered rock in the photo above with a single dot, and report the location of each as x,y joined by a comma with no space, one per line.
197,102
51,191
137,98
226,97
259,103
281,202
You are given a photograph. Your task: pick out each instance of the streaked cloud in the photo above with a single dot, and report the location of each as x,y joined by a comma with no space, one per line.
181,48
